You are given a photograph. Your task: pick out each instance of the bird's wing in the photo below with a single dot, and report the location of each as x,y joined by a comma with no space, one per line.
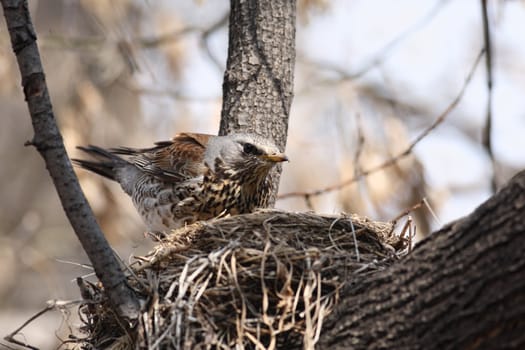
173,161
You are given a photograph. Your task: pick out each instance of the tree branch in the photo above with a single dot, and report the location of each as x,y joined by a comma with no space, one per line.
461,288
406,152
379,57
48,141
487,130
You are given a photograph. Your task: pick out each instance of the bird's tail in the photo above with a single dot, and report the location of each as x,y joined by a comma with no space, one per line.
106,163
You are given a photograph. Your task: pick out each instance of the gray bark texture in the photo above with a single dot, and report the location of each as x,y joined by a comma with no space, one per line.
48,141
461,288
258,81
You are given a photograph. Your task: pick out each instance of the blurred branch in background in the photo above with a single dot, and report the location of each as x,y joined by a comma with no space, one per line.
392,161
126,47
487,130
380,56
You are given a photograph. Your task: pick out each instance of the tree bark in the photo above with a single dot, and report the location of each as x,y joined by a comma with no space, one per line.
48,141
461,288
258,81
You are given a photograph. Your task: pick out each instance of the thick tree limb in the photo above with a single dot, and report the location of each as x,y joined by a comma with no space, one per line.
462,288
258,81
48,141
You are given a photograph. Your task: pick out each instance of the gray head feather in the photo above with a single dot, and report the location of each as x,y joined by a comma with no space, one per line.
230,149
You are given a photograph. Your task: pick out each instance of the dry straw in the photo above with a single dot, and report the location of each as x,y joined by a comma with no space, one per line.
265,280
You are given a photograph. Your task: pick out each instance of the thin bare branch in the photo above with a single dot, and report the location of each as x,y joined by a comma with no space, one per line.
165,38
165,92
401,155
205,41
381,55
95,42
49,143
146,42
11,336
486,137
360,145
51,305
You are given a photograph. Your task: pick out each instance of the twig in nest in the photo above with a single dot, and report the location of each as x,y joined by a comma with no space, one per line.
51,305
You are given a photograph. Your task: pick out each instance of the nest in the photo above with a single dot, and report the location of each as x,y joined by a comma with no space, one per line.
264,280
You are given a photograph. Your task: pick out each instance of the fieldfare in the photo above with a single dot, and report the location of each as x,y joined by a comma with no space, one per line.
192,177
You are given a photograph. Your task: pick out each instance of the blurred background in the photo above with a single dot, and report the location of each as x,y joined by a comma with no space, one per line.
372,78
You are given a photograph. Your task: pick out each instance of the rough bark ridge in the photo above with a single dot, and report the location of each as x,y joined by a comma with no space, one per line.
258,81
462,288
48,141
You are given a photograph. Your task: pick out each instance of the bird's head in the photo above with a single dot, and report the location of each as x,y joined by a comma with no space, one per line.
246,153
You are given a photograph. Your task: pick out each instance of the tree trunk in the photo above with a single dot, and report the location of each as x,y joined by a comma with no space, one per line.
258,81
461,288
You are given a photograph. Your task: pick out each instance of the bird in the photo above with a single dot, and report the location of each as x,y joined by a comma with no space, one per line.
192,177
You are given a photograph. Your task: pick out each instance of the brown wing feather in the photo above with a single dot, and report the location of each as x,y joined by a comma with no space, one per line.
177,160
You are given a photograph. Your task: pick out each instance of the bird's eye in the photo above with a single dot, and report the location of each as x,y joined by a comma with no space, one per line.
248,148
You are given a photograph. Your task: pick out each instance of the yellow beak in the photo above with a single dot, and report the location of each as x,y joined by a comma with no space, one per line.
276,158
